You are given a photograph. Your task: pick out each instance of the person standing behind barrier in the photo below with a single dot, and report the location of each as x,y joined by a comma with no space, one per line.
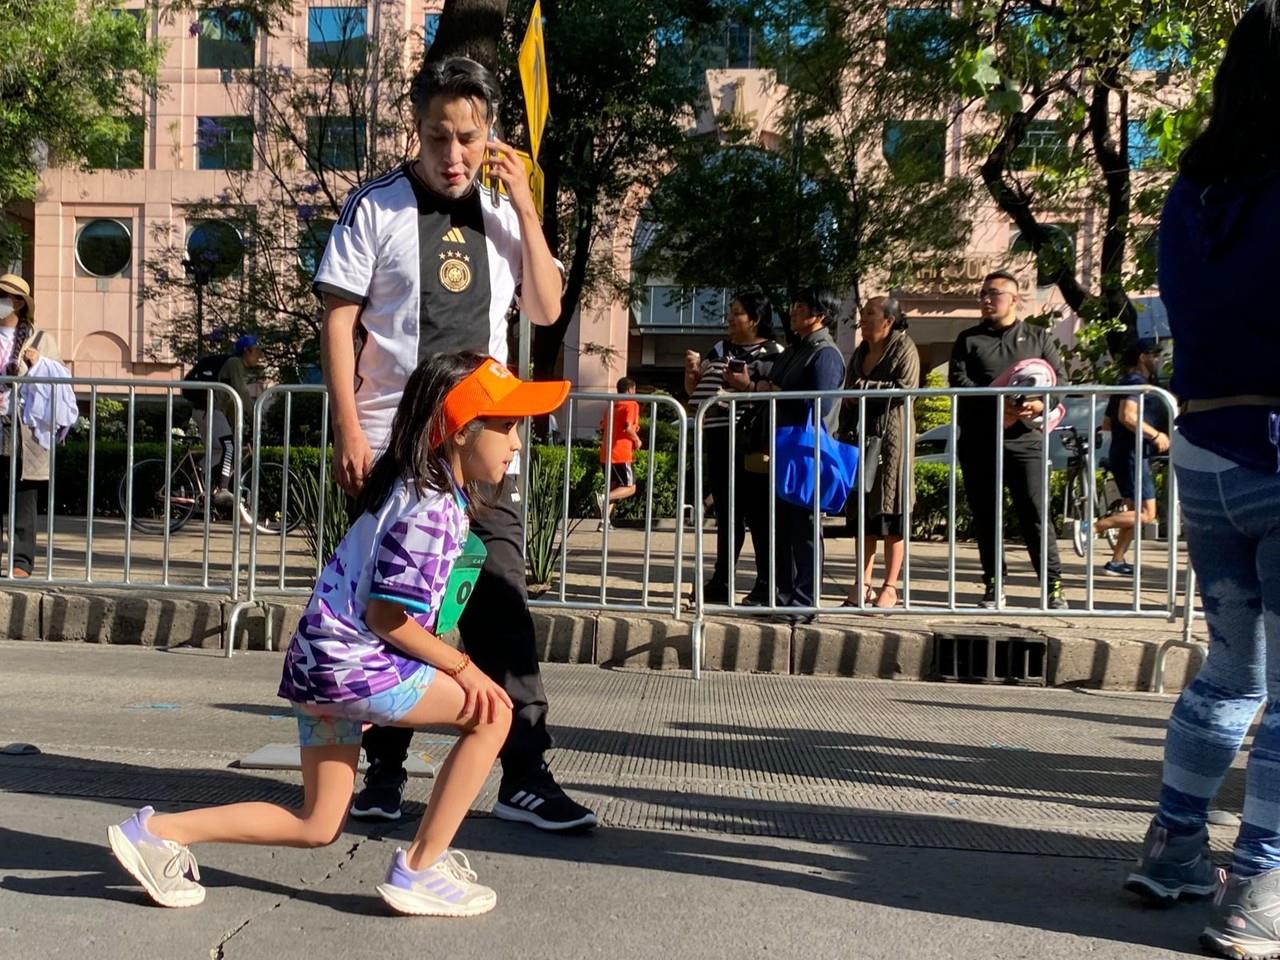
1217,251
813,364
980,355
751,349
1141,361
21,347
618,459
423,261
237,373
886,359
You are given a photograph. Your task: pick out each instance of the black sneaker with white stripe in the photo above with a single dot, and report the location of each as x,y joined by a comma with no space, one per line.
382,794
539,801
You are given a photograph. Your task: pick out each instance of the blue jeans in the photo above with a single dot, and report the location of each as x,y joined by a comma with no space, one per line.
1232,518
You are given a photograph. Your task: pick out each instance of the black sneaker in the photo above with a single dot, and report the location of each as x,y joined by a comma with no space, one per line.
382,794
539,801
716,593
758,597
1056,599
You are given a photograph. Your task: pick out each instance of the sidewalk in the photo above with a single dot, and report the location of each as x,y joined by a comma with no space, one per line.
743,816
1108,652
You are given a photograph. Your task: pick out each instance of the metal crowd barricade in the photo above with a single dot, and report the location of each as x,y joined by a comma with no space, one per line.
1135,607
281,579
560,597
261,590
132,568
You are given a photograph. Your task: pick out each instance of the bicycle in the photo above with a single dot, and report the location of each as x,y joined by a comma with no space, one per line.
186,492
1080,486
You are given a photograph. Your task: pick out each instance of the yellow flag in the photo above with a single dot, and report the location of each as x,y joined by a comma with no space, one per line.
537,181
533,78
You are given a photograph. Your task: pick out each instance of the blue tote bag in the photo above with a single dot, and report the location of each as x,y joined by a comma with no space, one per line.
797,471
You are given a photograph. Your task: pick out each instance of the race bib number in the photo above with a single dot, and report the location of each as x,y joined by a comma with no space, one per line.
461,583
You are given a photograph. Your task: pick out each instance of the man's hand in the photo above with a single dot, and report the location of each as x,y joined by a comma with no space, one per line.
737,380
1027,410
352,459
1161,442
692,361
506,166
481,696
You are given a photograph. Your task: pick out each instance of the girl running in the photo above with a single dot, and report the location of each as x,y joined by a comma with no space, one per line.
368,650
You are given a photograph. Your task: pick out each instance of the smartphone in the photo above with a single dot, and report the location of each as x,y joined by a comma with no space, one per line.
737,366
485,170
1018,399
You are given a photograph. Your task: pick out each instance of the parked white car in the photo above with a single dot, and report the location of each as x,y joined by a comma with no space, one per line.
934,446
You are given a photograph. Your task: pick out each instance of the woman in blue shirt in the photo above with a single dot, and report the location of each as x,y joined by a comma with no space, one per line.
1218,247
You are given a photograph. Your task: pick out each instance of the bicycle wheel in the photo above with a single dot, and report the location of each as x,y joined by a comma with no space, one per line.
150,485
273,511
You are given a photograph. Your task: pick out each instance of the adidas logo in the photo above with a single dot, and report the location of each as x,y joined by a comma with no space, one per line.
526,801
454,236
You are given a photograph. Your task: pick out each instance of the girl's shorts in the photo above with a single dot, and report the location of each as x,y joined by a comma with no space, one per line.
342,723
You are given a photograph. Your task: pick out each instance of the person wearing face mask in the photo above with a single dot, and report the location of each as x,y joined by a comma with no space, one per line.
21,347
1142,362
886,359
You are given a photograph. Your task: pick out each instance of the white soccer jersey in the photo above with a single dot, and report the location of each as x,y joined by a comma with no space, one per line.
431,276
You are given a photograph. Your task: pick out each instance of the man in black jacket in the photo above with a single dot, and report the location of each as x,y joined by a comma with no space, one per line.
980,355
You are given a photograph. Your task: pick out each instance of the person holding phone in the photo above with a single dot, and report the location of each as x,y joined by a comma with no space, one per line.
749,350
422,261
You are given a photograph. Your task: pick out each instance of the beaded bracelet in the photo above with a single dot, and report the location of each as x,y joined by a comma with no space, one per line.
462,665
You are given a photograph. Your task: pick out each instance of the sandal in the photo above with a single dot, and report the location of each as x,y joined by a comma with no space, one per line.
883,592
868,599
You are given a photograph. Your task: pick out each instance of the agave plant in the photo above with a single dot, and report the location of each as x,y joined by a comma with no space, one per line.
543,544
322,533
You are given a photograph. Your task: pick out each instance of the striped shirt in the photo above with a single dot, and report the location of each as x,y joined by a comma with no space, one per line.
759,359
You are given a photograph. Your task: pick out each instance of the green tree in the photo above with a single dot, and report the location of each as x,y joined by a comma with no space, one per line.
1085,105
822,206
72,73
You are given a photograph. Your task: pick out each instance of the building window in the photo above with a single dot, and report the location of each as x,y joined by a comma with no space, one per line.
224,143
430,27
106,154
1058,252
739,47
313,237
104,248
335,143
916,34
916,150
215,248
226,40
664,305
1042,146
336,36
1143,149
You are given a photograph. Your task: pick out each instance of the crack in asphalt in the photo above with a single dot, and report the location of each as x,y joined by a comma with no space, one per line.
218,951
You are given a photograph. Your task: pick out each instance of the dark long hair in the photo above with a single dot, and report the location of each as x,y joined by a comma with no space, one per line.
758,309
1242,140
410,454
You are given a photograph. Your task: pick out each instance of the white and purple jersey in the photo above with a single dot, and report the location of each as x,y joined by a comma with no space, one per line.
403,553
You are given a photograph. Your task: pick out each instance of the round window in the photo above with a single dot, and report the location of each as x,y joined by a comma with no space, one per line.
104,248
215,249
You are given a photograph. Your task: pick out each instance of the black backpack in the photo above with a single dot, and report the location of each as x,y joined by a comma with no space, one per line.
205,371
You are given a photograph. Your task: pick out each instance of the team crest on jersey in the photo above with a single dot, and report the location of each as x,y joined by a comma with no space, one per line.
455,271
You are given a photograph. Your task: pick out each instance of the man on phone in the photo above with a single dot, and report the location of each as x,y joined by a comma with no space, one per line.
424,261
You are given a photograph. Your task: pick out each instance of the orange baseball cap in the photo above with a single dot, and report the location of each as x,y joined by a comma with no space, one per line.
492,390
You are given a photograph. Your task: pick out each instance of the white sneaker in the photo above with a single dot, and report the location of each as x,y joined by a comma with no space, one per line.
166,870
447,888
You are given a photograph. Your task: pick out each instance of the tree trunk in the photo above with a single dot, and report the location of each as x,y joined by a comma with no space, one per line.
470,28
1114,160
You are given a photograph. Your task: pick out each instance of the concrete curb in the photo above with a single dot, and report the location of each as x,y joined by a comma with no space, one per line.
866,647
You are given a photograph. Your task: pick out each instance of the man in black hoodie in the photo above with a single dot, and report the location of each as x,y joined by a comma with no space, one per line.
980,355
